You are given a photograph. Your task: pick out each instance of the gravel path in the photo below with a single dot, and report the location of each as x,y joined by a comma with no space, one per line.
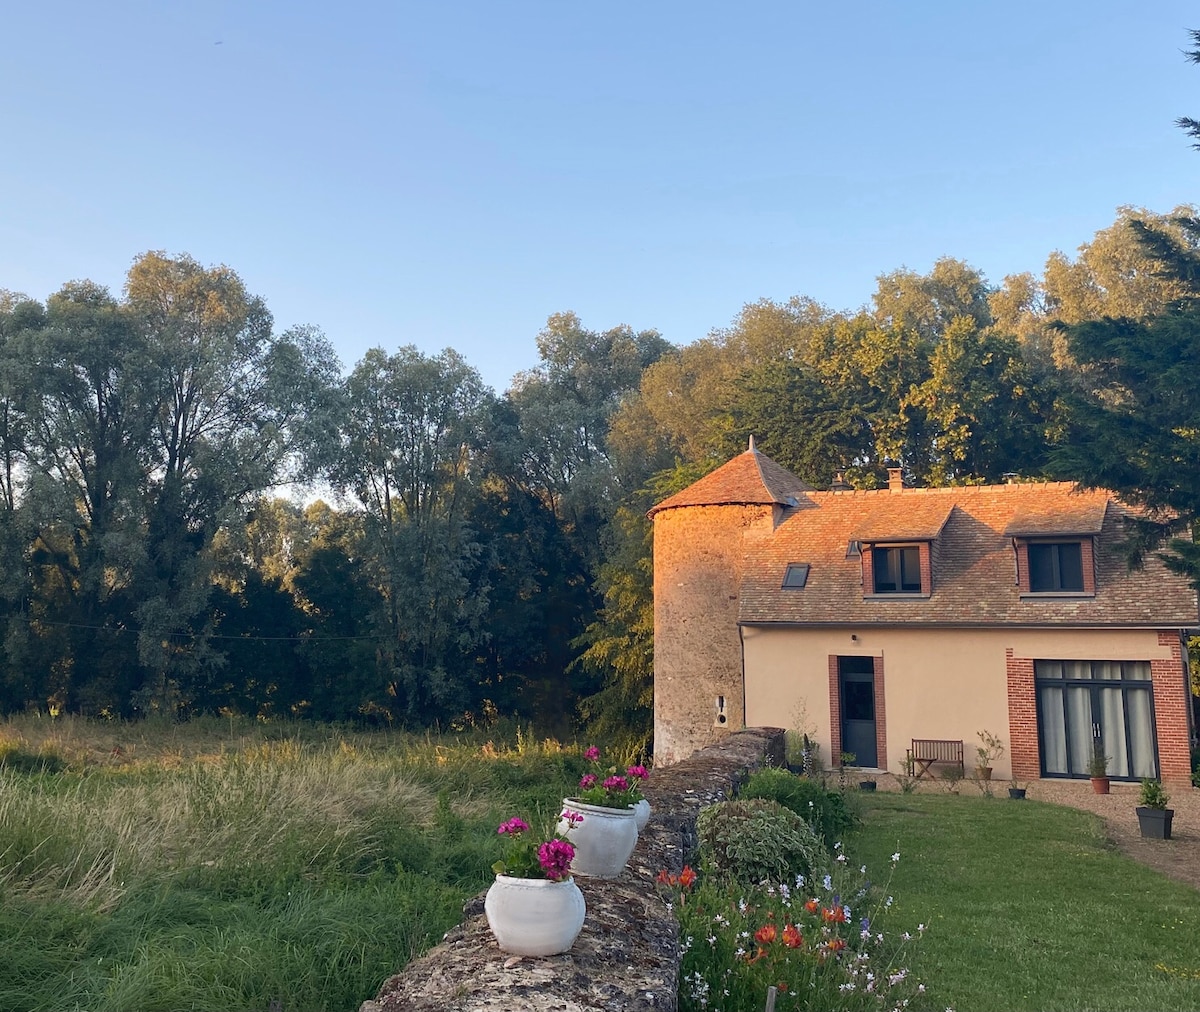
1177,858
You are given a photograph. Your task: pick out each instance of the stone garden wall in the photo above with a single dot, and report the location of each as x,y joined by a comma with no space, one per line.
627,957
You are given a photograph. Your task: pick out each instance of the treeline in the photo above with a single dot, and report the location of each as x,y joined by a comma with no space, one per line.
485,553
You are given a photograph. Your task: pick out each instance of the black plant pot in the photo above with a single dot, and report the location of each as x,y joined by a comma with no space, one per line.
1155,823
866,785
1017,793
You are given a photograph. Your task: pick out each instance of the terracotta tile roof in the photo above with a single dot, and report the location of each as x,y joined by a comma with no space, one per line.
898,516
1070,518
974,573
749,479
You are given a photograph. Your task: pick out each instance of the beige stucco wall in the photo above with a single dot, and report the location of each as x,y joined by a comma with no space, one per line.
942,683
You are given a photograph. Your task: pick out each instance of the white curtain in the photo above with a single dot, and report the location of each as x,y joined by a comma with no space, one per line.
1079,728
1112,721
1140,733
1054,733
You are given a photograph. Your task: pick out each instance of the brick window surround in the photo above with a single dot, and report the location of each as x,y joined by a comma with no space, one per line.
1171,713
1087,551
835,714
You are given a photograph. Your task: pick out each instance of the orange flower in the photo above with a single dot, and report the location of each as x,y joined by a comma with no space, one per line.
833,915
835,944
687,877
664,878
812,906
791,937
765,935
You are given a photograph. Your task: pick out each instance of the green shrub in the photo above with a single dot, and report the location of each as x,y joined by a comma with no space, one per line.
824,810
757,839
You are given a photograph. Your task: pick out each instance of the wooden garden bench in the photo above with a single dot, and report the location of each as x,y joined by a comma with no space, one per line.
927,751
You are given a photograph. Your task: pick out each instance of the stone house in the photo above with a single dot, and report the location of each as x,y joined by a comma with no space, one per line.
869,619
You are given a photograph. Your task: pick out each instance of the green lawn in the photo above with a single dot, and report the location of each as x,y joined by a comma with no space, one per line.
1029,908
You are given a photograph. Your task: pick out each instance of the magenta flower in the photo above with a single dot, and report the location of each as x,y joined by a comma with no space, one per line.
638,772
587,781
555,857
513,827
616,783
592,754
573,818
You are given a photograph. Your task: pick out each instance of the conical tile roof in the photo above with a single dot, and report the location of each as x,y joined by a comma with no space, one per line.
749,479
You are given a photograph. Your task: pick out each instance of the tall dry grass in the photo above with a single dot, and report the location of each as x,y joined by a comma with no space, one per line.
224,864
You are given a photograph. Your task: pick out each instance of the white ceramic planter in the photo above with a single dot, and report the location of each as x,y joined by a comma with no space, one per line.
641,814
604,839
534,916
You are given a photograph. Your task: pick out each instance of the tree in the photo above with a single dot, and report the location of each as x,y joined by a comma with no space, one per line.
410,437
1135,427
809,426
143,427
1191,126
564,408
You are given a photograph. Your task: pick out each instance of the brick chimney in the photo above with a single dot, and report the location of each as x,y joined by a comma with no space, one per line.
895,479
839,483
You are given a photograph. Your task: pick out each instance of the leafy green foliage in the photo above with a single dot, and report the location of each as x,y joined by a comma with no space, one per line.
759,840
1135,427
825,810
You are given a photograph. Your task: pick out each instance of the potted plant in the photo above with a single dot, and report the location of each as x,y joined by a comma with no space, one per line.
989,749
1098,769
1154,817
534,908
608,803
1015,790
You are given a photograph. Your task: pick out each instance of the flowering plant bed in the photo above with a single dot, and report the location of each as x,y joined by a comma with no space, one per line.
608,788
822,943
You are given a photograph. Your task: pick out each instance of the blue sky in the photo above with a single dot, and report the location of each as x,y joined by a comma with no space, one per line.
449,174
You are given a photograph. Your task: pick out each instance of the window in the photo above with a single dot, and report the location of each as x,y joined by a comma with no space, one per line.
1083,706
1056,566
897,570
796,575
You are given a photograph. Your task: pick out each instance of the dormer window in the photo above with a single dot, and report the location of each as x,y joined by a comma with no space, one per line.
1056,567
896,570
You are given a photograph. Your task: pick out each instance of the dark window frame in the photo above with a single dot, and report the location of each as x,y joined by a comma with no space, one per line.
1052,571
889,561
795,576
1125,683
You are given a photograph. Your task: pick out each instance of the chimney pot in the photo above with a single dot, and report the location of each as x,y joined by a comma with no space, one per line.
895,479
839,483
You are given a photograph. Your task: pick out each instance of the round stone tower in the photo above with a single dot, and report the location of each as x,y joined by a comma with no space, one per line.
699,537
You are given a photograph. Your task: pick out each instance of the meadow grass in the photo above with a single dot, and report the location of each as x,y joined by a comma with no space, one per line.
1029,907
223,866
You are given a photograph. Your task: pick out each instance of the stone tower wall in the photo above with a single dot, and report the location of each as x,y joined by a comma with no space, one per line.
699,694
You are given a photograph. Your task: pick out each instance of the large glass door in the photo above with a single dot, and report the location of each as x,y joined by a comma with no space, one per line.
1084,705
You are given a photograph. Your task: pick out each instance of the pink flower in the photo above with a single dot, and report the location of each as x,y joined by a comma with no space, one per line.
638,772
588,781
572,817
616,783
555,857
514,827
592,754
